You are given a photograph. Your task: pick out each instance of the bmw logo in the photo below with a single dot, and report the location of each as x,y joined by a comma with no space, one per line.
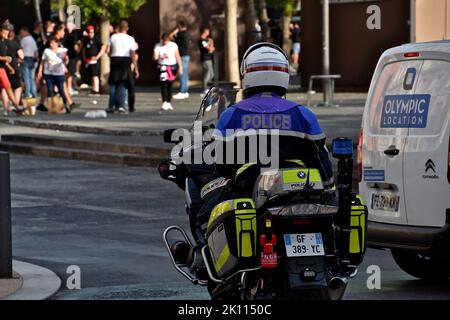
301,175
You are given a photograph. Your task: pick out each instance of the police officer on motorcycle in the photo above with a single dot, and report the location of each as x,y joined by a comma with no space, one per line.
265,80
300,142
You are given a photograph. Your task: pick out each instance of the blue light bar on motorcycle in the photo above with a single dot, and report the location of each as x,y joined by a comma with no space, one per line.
342,148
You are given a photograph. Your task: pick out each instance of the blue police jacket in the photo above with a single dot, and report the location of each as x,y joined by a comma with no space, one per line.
301,136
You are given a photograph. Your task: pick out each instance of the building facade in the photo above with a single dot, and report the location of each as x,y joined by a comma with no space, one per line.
354,48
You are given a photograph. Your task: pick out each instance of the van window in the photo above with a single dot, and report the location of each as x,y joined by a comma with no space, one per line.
434,80
391,92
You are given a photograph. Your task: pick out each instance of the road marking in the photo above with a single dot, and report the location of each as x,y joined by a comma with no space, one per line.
26,201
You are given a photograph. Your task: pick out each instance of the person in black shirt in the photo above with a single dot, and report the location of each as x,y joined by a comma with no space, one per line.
207,49
73,43
276,34
295,35
183,39
37,35
14,50
131,83
5,67
93,50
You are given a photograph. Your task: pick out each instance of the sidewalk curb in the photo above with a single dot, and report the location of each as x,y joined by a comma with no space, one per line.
81,129
38,283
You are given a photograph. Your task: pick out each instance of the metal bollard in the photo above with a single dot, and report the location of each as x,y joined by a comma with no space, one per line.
5,218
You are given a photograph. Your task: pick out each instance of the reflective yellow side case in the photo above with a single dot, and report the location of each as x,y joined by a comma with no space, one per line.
232,236
358,230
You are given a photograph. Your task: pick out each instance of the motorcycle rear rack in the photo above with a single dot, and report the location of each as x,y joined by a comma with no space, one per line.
351,275
179,267
211,274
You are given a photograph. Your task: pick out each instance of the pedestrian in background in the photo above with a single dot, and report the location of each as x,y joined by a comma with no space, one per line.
73,43
14,50
53,69
276,34
258,31
207,49
131,84
122,48
93,50
169,62
183,40
5,67
295,36
49,29
37,36
58,35
30,52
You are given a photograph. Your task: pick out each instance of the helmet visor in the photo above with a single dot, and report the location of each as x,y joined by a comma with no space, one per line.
264,66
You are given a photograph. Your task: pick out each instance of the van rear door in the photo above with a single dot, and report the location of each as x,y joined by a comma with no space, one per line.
384,136
427,191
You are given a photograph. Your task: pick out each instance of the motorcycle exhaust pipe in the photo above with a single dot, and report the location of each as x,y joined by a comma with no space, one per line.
337,283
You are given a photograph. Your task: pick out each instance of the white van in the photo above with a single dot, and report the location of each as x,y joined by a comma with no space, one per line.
404,157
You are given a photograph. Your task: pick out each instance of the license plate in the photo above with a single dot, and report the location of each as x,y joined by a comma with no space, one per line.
385,202
304,245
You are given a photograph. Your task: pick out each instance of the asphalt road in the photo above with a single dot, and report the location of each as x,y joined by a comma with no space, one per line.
108,220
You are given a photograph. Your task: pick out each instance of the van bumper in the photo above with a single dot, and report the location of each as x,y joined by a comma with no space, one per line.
426,240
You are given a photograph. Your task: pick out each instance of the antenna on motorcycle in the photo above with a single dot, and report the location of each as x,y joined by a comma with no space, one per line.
307,186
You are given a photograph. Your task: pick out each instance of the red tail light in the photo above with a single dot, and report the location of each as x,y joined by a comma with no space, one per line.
269,259
360,143
411,54
302,222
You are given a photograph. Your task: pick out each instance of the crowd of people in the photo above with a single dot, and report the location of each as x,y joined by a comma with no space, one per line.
47,60
173,55
54,58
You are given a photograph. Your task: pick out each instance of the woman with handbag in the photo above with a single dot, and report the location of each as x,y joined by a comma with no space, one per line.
169,62
53,69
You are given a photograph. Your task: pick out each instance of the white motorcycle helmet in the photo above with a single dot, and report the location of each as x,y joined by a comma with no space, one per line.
265,66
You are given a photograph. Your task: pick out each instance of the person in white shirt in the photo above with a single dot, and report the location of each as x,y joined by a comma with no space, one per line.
53,68
122,49
30,52
169,62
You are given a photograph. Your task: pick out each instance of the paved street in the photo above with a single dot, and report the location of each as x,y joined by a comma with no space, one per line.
108,220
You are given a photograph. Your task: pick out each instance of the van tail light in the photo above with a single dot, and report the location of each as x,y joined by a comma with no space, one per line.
448,166
360,143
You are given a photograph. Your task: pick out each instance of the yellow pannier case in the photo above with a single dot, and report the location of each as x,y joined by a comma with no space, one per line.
358,230
232,236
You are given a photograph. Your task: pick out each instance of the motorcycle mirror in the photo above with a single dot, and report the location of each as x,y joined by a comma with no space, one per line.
166,172
342,148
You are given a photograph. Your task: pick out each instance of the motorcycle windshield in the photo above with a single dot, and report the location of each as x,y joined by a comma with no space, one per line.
214,103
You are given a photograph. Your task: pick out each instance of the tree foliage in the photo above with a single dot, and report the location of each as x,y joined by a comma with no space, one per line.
93,10
288,6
